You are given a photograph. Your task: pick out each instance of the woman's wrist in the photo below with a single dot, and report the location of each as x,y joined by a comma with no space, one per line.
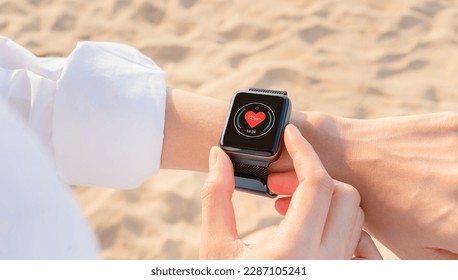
193,124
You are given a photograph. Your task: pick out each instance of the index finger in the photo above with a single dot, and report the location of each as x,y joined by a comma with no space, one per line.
306,216
305,160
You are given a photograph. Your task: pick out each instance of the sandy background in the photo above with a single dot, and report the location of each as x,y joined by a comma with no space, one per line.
361,59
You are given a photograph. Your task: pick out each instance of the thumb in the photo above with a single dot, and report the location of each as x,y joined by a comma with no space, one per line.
218,218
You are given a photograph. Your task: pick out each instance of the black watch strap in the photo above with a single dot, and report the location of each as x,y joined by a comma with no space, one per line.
269,91
251,175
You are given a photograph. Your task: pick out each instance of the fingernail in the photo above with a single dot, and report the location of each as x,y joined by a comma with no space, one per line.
292,129
213,158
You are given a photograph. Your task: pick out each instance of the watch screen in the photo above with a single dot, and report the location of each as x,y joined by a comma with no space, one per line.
255,122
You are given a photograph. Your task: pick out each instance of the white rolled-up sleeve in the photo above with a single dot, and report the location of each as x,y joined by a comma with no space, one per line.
99,112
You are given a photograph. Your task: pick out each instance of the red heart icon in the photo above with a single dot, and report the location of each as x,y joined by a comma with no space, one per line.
254,119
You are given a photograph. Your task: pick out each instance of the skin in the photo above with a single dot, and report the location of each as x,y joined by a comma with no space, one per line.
323,221
405,168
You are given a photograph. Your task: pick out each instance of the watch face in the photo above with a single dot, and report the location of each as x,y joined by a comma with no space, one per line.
255,123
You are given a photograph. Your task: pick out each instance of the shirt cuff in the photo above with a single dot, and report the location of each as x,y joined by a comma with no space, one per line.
108,118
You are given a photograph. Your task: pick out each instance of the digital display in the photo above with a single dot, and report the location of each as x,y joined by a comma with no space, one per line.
255,123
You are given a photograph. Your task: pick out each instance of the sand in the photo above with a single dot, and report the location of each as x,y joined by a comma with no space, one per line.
360,59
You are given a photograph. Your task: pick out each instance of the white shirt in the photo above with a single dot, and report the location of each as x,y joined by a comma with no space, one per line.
95,118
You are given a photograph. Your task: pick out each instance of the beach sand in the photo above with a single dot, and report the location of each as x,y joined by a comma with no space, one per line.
360,59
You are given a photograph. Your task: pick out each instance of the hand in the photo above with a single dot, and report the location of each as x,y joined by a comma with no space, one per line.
323,221
405,169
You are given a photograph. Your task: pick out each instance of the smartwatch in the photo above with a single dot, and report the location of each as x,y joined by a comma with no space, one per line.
253,135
